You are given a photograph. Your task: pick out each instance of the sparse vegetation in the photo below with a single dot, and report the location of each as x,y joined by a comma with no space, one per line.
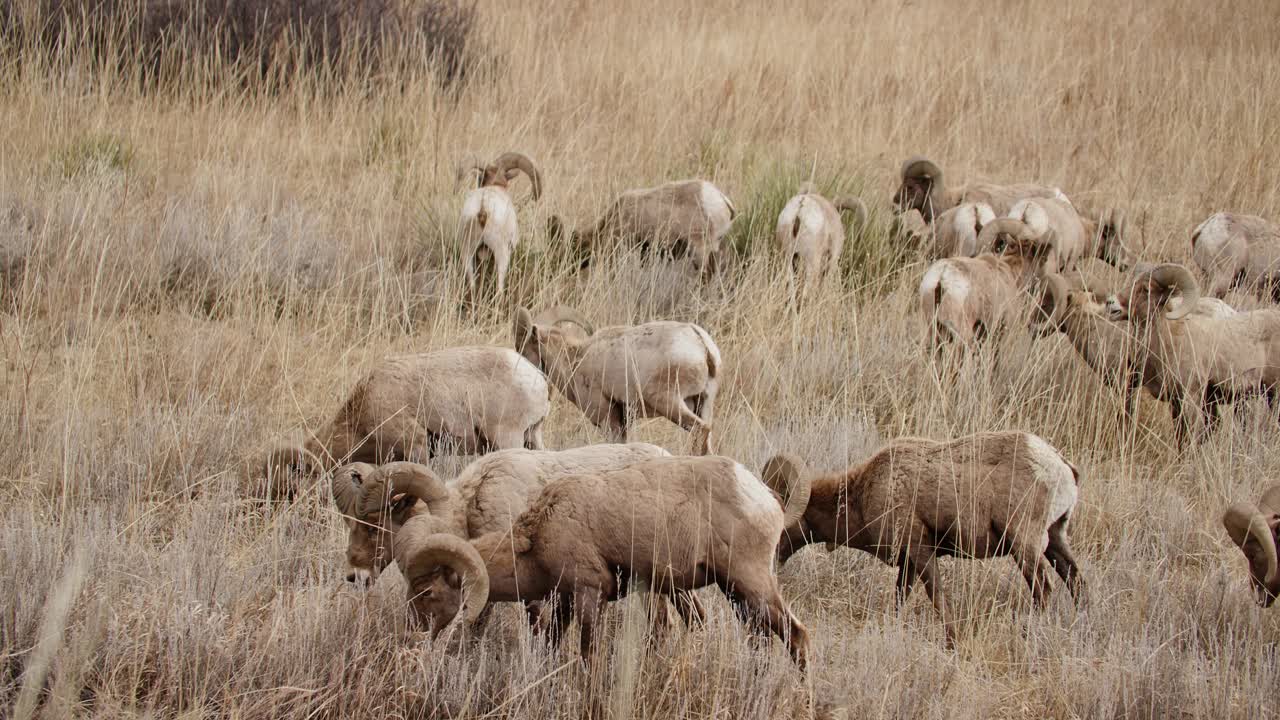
201,250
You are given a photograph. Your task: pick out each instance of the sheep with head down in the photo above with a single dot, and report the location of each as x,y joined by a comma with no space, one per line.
1255,529
1234,250
677,523
810,234
487,227
981,496
470,400
656,369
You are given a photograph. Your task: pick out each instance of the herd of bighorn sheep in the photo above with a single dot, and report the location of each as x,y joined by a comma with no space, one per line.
562,532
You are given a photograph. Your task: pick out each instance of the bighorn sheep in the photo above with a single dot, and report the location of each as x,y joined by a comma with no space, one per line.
1238,251
1255,529
677,523
476,398
1195,361
487,228
981,496
810,234
657,369
922,188
1051,215
1105,345
965,299
690,216
955,232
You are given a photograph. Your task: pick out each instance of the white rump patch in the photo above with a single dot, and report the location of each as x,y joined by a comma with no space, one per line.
1054,474
1213,233
1031,213
716,206
757,500
954,281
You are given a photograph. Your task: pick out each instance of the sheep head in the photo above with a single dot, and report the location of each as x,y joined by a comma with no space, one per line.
503,170
1149,293
1253,529
280,475
1058,301
363,539
541,339
389,494
921,188
788,479
444,574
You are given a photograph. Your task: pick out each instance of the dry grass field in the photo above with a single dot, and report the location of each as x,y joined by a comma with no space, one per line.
197,270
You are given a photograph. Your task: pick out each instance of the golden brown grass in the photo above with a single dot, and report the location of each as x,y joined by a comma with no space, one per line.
204,271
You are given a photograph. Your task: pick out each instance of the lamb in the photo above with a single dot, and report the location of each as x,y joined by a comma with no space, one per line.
1255,529
487,228
981,496
677,523
684,216
411,407
810,234
965,299
922,188
656,369
1193,361
1234,250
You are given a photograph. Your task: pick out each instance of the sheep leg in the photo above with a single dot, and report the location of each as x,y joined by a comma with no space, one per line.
929,576
501,262
677,411
908,573
533,437
1059,555
1035,569
760,610
587,604
1210,412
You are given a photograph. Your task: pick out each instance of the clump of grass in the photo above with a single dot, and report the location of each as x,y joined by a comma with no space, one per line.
94,154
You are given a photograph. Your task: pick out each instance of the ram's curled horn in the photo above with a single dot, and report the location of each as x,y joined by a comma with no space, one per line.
1009,226
848,203
788,478
1243,521
1176,277
561,313
406,478
508,161
920,166
420,553
348,486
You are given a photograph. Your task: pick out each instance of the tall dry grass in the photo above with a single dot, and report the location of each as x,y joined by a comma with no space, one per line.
194,272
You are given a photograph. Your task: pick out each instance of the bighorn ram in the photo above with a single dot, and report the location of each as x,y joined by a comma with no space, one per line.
810,234
1238,251
487,228
981,496
1105,346
965,299
922,188
657,369
1255,529
677,523
472,399
1193,361
684,216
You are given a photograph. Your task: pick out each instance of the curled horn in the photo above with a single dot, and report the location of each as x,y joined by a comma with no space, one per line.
561,313
787,477
922,167
1244,521
1010,226
411,479
1176,277
348,486
420,552
848,203
506,162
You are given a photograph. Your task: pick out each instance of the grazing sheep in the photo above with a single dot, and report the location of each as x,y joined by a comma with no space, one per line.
810,234
487,229
1238,251
922,188
1105,345
981,496
1193,361
1255,530
684,216
677,523
1056,218
657,369
955,232
471,399
965,299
